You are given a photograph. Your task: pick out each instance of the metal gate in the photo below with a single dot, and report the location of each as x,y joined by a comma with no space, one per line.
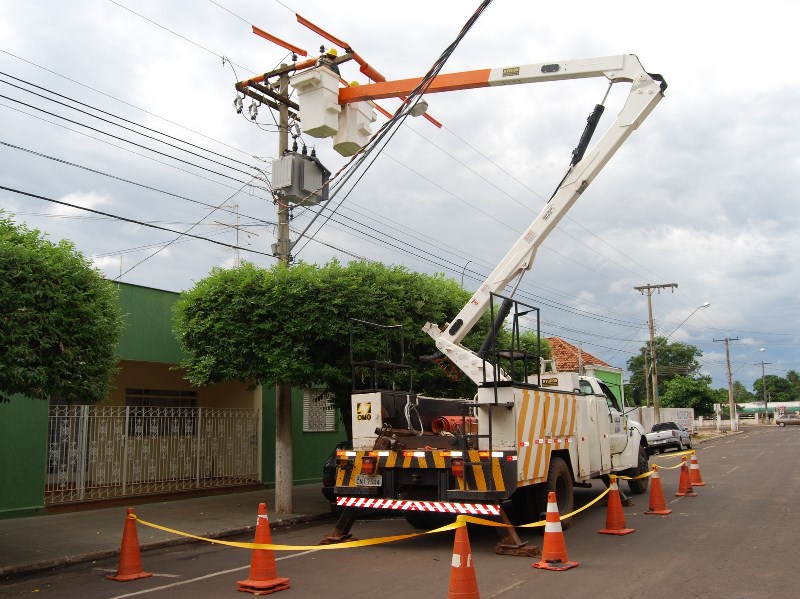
101,452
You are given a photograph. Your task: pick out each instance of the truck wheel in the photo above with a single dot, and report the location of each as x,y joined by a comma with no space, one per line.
428,520
559,481
639,486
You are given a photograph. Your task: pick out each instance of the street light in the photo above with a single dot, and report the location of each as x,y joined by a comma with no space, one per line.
703,305
654,373
730,383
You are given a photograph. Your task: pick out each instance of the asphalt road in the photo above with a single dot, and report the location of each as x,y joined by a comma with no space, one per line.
737,539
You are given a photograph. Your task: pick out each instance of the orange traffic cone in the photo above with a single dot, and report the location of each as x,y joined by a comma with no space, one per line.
615,518
685,485
554,550
463,583
694,473
264,577
129,566
658,504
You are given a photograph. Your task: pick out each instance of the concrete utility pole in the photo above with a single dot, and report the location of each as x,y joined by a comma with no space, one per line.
764,390
284,475
653,362
731,405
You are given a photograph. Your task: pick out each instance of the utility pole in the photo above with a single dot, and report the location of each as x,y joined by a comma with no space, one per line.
764,390
653,362
284,475
731,405
276,96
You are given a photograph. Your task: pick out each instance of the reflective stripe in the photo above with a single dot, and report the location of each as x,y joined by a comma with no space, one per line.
552,527
447,507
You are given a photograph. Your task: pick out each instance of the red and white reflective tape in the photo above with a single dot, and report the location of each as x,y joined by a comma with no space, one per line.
544,441
443,507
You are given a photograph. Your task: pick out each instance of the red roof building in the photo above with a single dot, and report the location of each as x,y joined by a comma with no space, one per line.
569,358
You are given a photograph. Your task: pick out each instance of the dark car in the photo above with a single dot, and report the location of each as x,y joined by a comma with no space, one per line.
329,476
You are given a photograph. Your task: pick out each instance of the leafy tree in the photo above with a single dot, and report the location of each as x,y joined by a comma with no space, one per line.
778,388
687,392
740,394
59,320
673,360
292,325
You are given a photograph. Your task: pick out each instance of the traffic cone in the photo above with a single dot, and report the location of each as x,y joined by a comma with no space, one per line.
615,518
463,583
129,566
658,504
694,473
264,577
685,485
554,549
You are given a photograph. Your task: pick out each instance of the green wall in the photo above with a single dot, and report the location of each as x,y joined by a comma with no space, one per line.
148,332
309,450
613,380
23,451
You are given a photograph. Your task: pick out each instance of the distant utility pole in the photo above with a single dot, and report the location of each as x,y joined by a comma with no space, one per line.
731,405
648,289
764,390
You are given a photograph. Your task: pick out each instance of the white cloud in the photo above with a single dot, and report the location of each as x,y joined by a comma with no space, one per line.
702,194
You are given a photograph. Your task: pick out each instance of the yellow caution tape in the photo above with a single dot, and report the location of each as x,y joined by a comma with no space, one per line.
275,547
461,520
642,475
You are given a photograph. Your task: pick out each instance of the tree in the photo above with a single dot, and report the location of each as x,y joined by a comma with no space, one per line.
741,394
59,320
673,360
292,324
778,388
687,392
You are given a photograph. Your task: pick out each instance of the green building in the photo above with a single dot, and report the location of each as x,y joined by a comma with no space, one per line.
155,434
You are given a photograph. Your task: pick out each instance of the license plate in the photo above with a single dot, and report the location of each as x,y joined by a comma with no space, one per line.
362,480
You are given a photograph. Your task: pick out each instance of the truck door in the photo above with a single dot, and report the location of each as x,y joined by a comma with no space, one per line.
617,420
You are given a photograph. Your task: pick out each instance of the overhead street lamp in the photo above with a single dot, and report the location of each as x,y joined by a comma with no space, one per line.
731,403
703,305
654,372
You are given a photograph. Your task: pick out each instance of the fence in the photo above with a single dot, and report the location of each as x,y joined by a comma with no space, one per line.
101,452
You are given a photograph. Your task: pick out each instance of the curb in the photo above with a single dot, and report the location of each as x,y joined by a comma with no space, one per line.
7,572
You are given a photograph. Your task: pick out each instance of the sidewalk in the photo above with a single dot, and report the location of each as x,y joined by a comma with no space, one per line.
51,540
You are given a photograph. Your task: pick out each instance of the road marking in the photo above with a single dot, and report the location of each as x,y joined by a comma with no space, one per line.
731,470
199,578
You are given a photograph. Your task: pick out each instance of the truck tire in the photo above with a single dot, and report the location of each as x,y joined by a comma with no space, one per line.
639,486
559,481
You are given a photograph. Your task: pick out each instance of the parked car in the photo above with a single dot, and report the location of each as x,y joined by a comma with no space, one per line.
667,435
788,419
329,477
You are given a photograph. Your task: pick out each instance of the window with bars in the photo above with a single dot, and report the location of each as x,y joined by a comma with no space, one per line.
319,411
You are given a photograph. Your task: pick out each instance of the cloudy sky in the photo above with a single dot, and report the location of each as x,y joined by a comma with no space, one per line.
127,108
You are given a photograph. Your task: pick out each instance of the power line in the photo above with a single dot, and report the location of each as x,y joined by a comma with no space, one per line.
122,179
129,220
107,95
117,117
122,139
